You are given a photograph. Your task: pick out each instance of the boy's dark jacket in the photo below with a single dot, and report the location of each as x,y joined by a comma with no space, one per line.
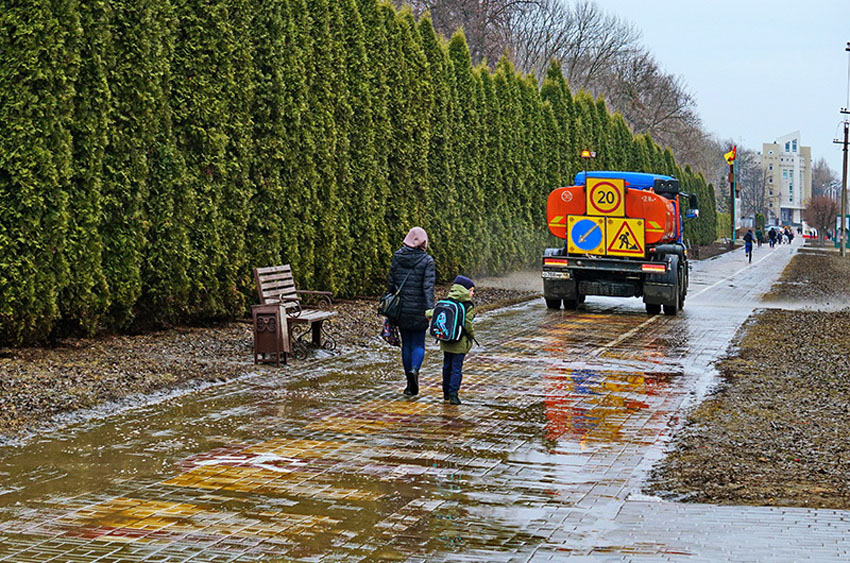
462,346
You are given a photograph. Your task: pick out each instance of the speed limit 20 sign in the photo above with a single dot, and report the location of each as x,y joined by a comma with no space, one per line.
606,197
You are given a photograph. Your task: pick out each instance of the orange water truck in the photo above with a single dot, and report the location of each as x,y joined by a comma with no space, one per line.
622,235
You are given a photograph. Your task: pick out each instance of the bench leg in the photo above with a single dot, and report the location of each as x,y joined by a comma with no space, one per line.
317,334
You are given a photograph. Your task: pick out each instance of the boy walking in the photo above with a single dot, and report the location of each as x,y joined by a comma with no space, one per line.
454,351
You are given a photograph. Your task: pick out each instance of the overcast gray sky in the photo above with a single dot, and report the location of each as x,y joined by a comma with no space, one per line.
757,69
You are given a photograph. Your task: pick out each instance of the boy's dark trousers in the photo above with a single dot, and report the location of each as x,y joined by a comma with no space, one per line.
452,373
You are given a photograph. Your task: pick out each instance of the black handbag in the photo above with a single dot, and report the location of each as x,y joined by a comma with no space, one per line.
389,305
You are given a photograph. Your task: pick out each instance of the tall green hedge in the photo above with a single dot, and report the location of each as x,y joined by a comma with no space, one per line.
155,151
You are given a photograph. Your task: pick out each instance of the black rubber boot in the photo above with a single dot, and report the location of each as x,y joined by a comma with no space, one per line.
454,400
411,384
414,386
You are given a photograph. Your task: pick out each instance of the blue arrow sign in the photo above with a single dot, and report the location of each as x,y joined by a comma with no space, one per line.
586,234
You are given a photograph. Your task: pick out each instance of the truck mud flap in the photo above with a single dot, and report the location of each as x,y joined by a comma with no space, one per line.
662,289
559,289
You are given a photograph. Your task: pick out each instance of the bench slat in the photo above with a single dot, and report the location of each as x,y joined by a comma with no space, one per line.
273,269
274,277
310,316
265,288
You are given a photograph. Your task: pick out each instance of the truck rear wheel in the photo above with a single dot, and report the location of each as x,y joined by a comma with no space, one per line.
653,308
671,310
553,303
571,304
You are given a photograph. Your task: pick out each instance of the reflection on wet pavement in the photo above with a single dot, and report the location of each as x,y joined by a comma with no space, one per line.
564,413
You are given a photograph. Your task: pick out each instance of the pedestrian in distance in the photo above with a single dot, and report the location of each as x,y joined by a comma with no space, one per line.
748,245
759,237
412,274
771,237
455,341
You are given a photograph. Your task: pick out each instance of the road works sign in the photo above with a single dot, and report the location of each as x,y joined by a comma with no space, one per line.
585,235
624,237
606,197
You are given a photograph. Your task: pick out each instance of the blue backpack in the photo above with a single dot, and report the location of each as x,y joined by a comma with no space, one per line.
448,320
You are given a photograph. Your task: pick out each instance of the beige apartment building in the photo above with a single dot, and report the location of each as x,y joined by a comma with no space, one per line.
787,165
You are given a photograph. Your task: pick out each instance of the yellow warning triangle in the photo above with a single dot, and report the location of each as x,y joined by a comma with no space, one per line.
626,242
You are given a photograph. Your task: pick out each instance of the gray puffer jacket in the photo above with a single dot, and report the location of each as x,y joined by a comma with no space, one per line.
417,295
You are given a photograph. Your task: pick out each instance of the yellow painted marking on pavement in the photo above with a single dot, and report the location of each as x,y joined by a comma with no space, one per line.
305,449
255,479
350,425
396,407
133,520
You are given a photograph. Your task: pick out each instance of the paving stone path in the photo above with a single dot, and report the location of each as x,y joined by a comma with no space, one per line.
564,414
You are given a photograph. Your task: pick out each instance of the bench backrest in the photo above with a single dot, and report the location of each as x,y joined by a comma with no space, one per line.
275,284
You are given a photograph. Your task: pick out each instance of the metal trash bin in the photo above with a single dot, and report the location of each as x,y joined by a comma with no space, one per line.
271,334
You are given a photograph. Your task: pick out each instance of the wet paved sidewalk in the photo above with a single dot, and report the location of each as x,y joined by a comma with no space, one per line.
564,414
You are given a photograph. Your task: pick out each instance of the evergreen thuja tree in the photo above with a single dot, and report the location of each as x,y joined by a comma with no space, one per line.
531,208
399,209
419,101
360,199
273,106
346,52
501,175
38,66
329,153
300,176
133,79
377,63
84,299
235,70
201,107
557,93
165,297
445,222
466,96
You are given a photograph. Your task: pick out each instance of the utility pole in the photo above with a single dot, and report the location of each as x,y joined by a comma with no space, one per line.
842,213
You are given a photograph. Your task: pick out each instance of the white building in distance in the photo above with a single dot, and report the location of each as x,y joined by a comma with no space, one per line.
788,172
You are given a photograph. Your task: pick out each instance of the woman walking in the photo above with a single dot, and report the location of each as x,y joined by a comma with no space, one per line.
412,270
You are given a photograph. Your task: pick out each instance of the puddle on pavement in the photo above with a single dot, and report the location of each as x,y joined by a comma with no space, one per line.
335,461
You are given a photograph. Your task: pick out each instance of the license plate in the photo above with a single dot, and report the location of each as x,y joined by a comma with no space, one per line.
556,275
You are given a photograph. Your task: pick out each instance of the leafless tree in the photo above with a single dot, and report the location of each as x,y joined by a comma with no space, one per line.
820,213
825,180
599,52
653,101
752,183
483,21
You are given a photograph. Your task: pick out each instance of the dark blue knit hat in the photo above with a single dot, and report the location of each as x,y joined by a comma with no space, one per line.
465,282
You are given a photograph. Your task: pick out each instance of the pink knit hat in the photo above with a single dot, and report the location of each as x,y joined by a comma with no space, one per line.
416,238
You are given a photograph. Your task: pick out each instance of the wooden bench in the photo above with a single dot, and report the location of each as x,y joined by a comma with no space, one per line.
275,285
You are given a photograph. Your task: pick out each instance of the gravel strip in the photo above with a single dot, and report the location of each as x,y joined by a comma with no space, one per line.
774,432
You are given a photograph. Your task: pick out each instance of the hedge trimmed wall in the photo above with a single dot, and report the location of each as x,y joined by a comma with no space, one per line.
154,151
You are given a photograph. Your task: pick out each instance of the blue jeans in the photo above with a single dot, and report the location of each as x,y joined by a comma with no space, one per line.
412,349
452,372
